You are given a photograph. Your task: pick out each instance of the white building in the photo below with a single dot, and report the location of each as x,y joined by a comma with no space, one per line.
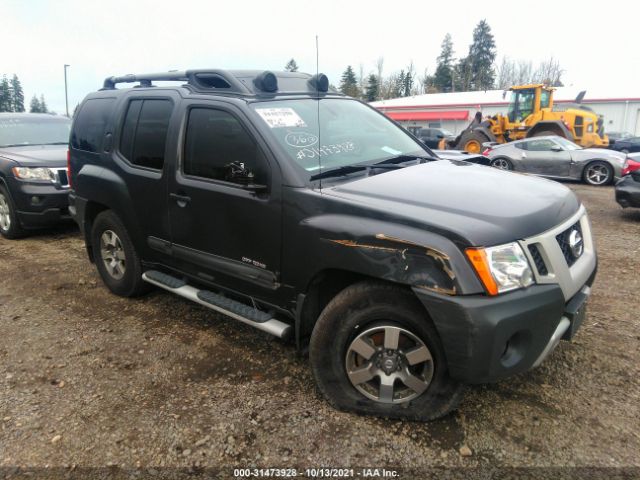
454,111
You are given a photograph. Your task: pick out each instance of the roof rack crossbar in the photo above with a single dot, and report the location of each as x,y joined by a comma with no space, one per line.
199,79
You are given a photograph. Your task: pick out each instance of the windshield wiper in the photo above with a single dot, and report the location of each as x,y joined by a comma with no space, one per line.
398,159
347,169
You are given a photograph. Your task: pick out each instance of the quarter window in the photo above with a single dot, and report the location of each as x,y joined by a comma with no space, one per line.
144,132
218,147
90,124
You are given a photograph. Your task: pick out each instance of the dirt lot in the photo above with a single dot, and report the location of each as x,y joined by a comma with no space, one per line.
90,379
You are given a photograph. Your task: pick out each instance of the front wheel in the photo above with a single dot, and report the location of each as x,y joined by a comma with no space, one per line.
116,257
598,173
374,350
9,223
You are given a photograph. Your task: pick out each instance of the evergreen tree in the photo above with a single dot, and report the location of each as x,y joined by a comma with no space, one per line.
482,55
17,94
462,75
43,105
5,95
34,107
291,66
443,78
372,90
349,83
407,81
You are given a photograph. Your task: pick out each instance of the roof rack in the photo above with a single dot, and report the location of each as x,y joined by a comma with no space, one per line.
243,82
199,79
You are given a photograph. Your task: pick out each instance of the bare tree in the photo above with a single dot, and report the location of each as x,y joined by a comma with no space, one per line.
380,67
549,72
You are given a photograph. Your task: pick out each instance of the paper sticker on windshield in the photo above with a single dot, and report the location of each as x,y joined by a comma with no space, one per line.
392,151
281,117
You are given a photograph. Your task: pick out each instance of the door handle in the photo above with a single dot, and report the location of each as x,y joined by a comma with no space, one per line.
524,155
181,200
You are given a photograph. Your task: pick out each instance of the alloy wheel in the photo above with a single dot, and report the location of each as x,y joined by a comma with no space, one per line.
389,364
112,254
500,163
598,174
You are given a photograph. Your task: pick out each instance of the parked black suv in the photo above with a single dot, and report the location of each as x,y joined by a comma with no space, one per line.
307,214
33,172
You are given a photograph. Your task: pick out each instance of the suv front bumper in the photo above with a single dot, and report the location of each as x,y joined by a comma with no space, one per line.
489,338
39,204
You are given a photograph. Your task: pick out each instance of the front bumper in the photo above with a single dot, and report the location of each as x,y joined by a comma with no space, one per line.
489,338
628,192
39,204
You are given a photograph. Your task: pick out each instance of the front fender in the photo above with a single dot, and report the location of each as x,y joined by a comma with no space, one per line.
390,252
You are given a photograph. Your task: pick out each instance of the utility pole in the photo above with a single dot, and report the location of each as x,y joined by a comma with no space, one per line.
66,96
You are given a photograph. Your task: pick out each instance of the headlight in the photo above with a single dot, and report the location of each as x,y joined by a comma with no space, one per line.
34,173
502,268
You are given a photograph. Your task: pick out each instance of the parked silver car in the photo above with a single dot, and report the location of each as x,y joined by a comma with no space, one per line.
557,157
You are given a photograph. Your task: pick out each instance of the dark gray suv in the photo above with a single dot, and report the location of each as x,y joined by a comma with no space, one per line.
312,217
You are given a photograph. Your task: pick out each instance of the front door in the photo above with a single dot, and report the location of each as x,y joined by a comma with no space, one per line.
543,156
225,202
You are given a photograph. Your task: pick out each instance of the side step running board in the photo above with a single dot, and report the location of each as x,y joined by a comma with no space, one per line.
237,310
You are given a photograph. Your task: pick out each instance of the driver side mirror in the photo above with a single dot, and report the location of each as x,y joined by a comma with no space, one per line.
556,148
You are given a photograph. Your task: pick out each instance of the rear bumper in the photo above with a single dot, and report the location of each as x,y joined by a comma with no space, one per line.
628,192
489,338
39,205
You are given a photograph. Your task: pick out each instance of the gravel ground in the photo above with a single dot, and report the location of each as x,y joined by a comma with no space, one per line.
88,379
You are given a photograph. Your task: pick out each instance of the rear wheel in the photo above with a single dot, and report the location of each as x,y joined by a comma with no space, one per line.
116,258
9,224
502,163
598,173
472,142
375,351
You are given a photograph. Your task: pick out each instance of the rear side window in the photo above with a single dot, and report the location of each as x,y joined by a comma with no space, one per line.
215,140
144,132
90,124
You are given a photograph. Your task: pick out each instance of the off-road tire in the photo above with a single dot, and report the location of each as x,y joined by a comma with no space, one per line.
546,133
353,311
131,283
472,142
14,229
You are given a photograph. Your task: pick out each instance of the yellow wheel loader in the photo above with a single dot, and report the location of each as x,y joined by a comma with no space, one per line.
532,114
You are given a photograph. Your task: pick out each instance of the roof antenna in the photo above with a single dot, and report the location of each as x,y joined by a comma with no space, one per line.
318,100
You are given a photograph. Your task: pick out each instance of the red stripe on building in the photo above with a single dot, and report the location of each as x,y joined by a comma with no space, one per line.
439,115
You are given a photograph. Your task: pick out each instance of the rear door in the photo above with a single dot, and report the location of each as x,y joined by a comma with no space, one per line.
224,229
543,156
141,150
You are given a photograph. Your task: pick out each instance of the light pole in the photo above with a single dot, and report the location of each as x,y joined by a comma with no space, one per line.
66,97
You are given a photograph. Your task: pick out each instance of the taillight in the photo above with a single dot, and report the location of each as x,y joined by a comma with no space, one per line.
487,151
629,166
69,168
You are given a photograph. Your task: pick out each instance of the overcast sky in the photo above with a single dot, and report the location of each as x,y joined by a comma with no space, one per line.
596,42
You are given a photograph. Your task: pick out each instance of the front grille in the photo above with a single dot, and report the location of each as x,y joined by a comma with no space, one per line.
538,260
578,127
563,241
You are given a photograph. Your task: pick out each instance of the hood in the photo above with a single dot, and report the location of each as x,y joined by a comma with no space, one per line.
37,155
471,204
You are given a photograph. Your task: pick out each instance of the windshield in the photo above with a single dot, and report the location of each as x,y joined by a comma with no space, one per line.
567,144
446,133
521,105
350,133
19,131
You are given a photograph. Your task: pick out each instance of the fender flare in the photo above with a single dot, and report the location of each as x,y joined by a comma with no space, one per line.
555,125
